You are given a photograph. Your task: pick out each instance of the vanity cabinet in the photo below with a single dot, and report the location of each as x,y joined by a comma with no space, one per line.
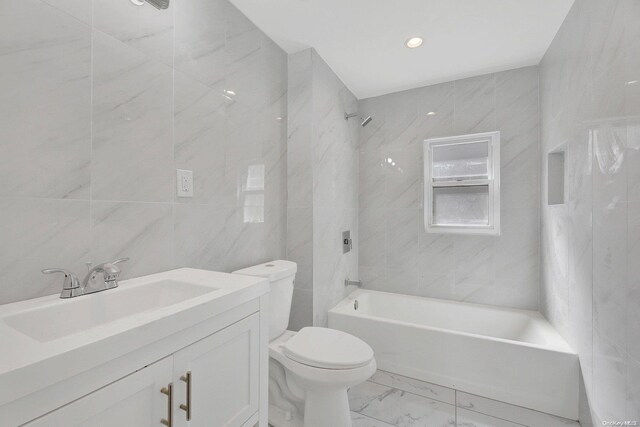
212,382
221,372
133,401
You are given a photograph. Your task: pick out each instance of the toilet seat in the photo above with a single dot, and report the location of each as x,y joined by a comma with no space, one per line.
315,376
328,349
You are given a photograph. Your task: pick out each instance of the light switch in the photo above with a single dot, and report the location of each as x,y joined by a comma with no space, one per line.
185,183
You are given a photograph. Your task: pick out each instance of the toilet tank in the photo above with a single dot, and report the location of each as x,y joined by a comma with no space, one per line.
280,275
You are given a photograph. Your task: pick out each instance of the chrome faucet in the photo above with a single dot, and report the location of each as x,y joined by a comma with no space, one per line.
72,288
110,273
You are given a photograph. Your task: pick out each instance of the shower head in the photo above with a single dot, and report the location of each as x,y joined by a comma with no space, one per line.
158,4
363,122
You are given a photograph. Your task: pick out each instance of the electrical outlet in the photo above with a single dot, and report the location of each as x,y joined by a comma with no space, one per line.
184,180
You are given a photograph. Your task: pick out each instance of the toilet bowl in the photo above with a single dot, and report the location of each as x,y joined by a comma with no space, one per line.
311,370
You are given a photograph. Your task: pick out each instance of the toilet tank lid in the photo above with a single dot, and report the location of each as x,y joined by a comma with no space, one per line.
273,270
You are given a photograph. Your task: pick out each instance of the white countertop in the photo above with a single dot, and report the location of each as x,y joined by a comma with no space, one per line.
28,365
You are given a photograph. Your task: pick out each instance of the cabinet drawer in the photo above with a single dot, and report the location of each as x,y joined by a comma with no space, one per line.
134,401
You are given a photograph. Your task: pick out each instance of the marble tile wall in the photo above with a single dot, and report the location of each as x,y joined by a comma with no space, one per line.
396,254
323,187
590,291
100,102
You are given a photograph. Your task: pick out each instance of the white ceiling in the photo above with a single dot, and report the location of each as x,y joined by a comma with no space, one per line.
363,40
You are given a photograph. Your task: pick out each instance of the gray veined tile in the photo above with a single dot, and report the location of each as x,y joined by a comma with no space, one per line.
371,180
143,27
411,385
359,420
475,104
301,310
80,9
403,171
406,282
405,117
200,129
132,124
372,225
474,271
373,277
403,226
633,281
299,135
607,27
300,238
245,64
200,27
201,234
610,183
437,252
633,162
373,136
438,104
633,389
480,410
609,376
399,408
141,231
467,418
40,233
610,266
45,98
517,113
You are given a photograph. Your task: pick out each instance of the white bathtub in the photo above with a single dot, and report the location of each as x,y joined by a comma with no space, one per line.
514,356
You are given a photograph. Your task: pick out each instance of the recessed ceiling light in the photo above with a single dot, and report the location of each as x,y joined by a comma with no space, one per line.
413,42
632,82
431,113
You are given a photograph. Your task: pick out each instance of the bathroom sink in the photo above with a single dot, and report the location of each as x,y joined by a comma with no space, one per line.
68,317
49,340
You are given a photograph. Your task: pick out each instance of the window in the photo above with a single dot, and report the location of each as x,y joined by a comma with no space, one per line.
462,184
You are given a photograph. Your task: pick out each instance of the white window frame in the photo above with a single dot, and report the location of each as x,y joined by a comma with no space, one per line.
492,182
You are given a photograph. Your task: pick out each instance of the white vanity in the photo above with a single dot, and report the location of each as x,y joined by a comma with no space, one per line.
180,348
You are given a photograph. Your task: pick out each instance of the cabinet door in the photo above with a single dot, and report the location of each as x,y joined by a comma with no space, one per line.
224,377
134,401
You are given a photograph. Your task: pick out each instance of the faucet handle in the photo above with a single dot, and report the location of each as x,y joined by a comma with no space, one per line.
119,260
71,285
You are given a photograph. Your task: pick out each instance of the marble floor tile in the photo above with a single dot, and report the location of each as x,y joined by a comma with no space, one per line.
510,413
467,418
359,420
399,408
411,385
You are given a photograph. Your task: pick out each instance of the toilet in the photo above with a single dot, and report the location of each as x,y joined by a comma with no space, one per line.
311,370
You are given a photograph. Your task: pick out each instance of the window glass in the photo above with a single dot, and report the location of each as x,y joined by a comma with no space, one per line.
469,160
461,205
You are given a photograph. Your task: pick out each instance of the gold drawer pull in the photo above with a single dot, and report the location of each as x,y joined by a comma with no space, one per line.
168,391
187,408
